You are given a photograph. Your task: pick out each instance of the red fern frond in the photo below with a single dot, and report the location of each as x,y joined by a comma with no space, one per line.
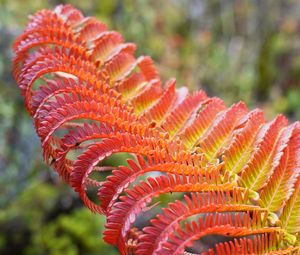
231,178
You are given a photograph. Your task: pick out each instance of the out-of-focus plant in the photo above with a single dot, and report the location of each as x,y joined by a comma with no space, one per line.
40,221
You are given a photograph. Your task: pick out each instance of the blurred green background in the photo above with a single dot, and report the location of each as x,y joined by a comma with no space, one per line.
235,49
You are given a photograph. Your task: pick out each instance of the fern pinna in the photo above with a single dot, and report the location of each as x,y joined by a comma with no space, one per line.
231,178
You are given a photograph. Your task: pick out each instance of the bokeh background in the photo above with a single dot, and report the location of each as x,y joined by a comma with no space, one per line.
235,49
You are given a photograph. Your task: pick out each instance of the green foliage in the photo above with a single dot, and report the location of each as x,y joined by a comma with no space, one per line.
76,233
45,227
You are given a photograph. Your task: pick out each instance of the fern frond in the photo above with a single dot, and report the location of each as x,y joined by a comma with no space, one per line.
239,151
263,244
290,218
268,147
228,224
200,123
237,175
280,186
218,136
196,203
